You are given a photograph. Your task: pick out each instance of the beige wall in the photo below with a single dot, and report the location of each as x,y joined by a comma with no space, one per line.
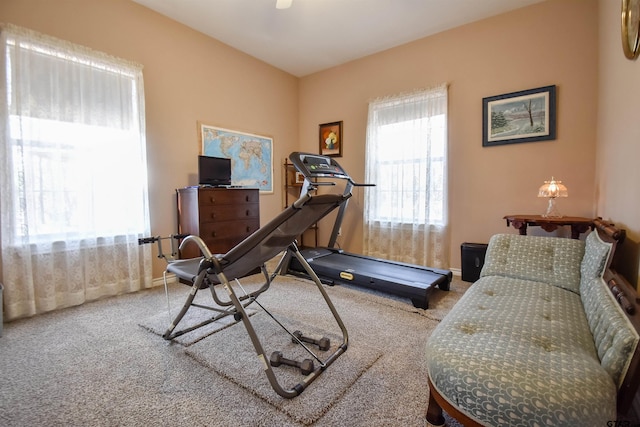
618,150
188,77
550,43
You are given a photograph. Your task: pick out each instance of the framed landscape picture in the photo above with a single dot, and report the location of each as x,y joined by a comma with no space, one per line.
525,116
251,155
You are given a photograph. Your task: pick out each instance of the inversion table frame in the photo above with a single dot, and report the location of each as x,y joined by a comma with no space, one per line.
265,244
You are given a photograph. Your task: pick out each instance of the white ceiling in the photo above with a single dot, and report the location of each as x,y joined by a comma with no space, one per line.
313,35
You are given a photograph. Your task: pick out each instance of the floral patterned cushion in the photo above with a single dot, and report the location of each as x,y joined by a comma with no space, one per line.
552,260
520,352
538,340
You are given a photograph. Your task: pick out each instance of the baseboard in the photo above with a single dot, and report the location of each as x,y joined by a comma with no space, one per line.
456,272
159,281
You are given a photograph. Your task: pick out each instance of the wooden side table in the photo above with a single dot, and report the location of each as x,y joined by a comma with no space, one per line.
578,224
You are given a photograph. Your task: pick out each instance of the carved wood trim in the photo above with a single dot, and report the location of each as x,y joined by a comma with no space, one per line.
627,297
620,296
437,403
609,230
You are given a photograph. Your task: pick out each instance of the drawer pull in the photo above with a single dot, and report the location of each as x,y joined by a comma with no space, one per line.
248,212
213,199
214,234
213,215
248,229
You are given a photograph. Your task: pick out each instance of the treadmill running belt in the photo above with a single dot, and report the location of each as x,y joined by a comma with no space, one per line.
406,280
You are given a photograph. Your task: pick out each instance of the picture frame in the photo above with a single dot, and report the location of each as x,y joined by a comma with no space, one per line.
251,155
330,135
524,116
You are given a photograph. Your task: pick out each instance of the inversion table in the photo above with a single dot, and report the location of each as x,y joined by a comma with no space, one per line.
211,271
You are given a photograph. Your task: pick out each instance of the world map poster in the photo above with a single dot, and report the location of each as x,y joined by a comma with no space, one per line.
251,155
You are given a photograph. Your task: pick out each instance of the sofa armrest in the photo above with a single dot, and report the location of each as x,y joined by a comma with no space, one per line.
627,297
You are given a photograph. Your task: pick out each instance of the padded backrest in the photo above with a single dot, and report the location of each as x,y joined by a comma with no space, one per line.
552,260
615,337
278,234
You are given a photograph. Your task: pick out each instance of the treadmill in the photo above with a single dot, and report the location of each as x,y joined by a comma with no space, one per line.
335,266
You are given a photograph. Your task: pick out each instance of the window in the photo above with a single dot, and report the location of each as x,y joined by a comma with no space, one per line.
76,158
77,180
73,181
415,192
405,215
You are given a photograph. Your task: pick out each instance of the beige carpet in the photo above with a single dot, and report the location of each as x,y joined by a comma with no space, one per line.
94,365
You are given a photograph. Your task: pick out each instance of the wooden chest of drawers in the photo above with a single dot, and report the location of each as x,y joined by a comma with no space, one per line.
222,217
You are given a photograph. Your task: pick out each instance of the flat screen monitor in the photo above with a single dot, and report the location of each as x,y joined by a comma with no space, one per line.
214,171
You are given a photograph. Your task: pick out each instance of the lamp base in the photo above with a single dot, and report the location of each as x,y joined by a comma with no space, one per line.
552,210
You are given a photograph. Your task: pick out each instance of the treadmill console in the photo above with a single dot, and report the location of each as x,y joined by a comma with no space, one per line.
316,166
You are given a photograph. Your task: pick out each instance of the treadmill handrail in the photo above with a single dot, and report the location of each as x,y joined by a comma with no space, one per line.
321,167
318,166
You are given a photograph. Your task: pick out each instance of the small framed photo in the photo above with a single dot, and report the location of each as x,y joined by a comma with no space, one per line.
331,139
299,178
525,116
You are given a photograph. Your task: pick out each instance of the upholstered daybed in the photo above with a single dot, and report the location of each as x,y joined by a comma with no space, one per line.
540,339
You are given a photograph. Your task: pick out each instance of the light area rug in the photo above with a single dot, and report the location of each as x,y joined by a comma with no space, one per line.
383,331
387,335
159,322
231,354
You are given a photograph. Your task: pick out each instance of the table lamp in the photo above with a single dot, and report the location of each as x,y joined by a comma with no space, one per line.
552,189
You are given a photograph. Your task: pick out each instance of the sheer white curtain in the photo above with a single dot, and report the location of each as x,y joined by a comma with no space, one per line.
406,157
73,189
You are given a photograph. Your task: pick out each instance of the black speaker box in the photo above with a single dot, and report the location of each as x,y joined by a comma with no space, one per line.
472,260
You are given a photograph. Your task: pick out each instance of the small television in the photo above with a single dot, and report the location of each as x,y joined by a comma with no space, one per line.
214,171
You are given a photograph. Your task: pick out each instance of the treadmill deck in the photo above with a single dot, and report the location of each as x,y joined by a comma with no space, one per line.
406,280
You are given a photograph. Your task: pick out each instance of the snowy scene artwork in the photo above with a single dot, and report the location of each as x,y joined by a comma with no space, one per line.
524,116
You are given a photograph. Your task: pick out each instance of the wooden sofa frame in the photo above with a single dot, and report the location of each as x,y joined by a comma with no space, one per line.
627,297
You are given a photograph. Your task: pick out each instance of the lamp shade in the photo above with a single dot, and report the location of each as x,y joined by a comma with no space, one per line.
553,189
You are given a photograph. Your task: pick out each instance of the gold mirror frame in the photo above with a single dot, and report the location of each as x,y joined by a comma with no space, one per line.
630,26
